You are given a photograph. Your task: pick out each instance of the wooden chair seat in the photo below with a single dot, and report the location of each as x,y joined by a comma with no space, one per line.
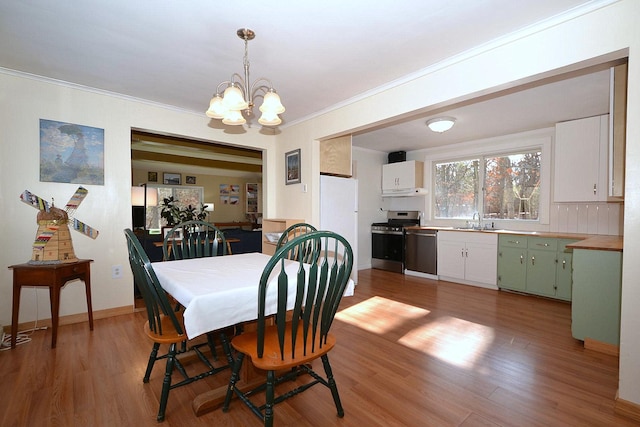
323,261
271,360
169,334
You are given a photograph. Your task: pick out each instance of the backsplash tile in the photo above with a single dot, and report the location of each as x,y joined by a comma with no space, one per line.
589,218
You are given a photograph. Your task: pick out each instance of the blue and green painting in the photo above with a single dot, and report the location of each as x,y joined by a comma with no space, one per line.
71,153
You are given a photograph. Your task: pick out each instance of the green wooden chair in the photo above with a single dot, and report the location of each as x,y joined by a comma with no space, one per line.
165,326
294,231
302,323
193,239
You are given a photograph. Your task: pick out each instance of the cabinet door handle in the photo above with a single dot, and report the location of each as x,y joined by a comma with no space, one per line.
542,244
517,242
533,260
521,259
564,263
594,189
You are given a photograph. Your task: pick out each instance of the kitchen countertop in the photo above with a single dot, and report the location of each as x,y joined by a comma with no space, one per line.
586,241
600,243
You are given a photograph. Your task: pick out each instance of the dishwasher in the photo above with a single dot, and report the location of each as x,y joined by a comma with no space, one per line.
421,251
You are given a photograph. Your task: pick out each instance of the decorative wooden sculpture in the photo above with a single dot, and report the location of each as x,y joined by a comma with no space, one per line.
53,242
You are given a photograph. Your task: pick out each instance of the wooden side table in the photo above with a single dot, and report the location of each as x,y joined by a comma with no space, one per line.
53,276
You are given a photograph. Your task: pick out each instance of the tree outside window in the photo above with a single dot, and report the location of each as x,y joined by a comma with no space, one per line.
510,187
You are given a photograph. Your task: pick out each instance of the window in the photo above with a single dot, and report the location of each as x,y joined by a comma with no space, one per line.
510,187
184,195
457,189
511,184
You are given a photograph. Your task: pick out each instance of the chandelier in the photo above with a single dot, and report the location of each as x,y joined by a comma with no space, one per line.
239,95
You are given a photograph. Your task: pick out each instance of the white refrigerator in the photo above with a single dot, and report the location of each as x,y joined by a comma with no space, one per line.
339,211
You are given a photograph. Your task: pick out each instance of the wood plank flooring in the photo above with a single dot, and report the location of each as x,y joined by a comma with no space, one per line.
410,352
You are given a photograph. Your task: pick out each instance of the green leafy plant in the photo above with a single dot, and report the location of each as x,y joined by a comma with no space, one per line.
173,214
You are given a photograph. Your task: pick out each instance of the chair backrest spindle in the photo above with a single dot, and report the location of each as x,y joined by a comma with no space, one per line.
155,299
193,239
320,278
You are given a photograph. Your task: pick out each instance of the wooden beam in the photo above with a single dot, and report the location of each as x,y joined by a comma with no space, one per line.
195,161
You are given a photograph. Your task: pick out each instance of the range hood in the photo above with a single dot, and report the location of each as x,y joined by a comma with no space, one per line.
409,192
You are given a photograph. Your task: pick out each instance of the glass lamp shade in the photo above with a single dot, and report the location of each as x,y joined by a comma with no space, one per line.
233,98
233,118
271,103
217,109
137,196
269,118
441,124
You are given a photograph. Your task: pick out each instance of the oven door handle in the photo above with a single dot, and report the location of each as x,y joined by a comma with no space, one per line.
392,233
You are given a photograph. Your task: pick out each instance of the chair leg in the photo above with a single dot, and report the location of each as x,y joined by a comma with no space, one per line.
212,346
235,375
152,360
270,392
332,385
166,384
227,349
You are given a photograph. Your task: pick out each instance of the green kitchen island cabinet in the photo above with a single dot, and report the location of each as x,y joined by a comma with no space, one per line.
595,308
535,265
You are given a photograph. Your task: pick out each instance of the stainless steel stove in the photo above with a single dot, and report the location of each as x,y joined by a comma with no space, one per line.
387,240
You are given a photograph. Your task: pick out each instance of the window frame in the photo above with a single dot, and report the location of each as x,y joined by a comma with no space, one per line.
526,142
153,212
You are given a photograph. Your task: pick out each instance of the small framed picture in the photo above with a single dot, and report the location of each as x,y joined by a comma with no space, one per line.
171,178
190,179
292,165
152,176
177,234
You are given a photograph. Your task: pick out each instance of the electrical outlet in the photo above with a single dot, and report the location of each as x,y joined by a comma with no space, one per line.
116,271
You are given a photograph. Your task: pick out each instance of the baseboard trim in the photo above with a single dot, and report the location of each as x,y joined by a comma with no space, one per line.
74,318
602,347
627,409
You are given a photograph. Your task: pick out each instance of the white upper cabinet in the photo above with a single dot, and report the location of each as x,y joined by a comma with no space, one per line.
402,176
581,160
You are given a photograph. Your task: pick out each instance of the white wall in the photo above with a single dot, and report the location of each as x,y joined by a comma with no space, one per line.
107,207
606,33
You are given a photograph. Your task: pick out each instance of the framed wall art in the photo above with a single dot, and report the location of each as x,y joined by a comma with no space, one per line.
292,165
190,179
152,176
71,153
171,178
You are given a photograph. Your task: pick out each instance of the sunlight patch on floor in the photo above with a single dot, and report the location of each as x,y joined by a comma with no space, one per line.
452,340
380,315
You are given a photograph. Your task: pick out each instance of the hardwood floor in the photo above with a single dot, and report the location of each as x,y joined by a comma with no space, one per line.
410,352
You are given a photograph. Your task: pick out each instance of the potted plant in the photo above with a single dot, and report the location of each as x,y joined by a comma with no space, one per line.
173,214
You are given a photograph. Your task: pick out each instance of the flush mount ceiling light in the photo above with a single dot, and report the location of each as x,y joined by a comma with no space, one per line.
239,95
441,124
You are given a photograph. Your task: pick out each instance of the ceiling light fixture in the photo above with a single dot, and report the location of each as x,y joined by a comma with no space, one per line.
441,124
240,93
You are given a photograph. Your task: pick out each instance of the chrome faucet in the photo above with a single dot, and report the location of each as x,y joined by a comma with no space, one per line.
479,225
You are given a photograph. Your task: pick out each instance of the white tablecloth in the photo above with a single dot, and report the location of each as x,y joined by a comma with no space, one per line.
220,291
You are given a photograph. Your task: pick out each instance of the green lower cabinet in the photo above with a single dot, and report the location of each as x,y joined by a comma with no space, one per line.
595,308
564,270
536,265
512,268
541,272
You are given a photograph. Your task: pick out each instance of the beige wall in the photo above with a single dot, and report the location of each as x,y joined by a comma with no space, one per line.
211,186
23,101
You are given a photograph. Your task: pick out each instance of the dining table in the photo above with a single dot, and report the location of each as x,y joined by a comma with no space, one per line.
222,291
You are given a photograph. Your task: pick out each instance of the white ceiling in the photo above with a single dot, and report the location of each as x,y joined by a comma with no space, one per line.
319,55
